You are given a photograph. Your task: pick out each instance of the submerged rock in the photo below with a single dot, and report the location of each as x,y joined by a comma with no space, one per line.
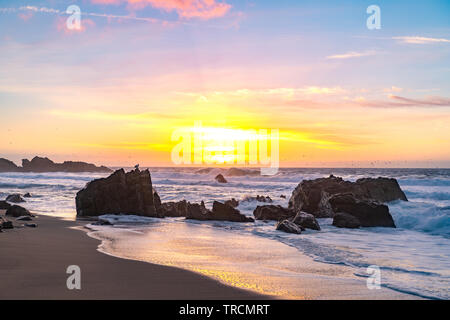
306,221
345,220
17,211
27,195
120,193
289,227
15,198
219,178
369,213
272,212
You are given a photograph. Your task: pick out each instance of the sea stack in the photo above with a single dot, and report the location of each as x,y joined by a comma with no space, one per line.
120,193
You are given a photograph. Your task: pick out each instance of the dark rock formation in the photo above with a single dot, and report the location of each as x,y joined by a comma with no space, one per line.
282,196
174,209
14,198
27,195
380,189
7,225
30,225
120,193
345,220
39,164
271,212
312,196
17,211
259,198
8,166
156,200
4,205
306,221
219,178
263,199
368,212
288,226
232,203
197,211
222,211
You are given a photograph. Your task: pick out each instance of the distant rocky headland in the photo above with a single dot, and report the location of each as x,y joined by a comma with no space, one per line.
39,164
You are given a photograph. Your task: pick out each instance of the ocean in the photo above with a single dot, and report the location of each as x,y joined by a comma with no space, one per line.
414,258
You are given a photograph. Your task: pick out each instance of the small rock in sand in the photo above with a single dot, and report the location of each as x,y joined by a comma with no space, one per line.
17,211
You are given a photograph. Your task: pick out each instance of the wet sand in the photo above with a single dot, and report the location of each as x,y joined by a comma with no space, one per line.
34,261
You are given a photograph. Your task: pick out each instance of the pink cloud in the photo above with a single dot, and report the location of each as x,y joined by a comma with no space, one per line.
61,25
203,9
25,16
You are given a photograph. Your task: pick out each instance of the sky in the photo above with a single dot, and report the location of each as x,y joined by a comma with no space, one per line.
114,91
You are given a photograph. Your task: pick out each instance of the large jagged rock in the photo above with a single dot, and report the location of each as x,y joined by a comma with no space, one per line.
8,166
4,205
39,164
271,212
15,198
369,213
120,193
288,226
312,196
306,221
380,189
17,211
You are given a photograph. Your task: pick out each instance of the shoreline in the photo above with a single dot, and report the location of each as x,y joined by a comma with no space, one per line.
239,264
34,263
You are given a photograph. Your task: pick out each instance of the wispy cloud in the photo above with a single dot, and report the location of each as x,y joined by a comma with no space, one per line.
91,14
203,9
395,101
353,54
420,40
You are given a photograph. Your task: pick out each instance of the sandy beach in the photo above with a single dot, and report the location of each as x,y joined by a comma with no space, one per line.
34,263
